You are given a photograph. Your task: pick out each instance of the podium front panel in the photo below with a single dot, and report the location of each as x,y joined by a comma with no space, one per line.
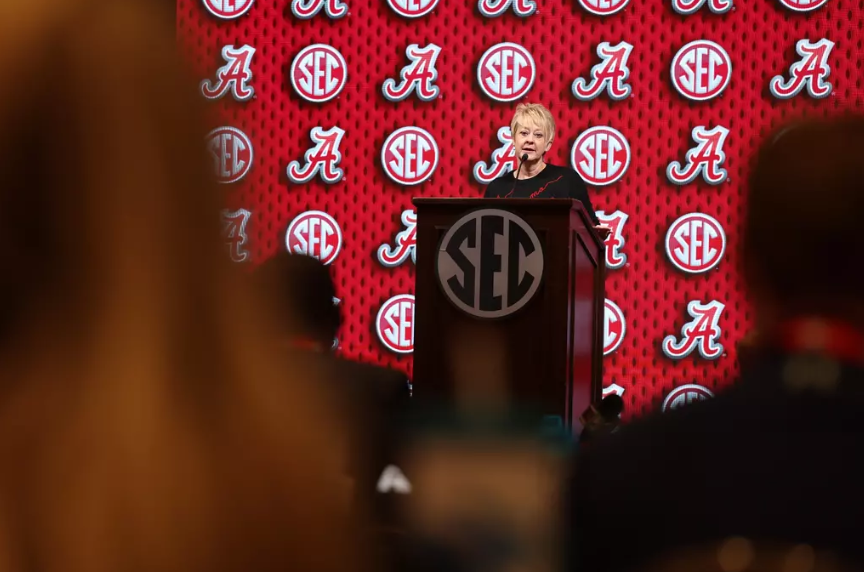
546,355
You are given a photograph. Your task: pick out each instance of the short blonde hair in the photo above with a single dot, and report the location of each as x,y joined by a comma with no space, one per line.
534,114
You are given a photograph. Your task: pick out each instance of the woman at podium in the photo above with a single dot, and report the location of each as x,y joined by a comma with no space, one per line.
533,129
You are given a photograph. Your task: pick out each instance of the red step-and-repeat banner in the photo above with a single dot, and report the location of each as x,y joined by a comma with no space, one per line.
333,114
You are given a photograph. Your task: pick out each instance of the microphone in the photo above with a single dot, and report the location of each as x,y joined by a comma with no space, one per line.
522,160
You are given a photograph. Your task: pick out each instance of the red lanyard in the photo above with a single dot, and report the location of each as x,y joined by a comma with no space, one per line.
831,338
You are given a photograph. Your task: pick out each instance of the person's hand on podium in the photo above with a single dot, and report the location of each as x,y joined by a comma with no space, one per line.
603,230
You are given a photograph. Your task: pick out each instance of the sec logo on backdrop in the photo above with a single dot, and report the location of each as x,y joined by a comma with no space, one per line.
600,155
695,243
614,327
319,73
506,72
228,9
410,155
395,324
803,5
231,152
316,234
684,395
490,263
412,8
603,7
701,70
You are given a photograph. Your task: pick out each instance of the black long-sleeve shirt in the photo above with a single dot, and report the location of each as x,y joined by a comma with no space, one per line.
553,182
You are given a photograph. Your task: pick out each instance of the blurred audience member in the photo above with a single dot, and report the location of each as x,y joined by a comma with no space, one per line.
772,457
372,399
143,424
602,419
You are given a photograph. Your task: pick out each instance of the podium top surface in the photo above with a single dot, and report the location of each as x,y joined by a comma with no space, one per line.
504,203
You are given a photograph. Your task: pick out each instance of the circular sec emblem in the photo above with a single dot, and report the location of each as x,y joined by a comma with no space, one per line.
614,327
395,324
600,155
319,73
701,70
685,394
603,7
695,243
506,72
231,151
490,263
803,5
228,9
410,155
315,234
412,8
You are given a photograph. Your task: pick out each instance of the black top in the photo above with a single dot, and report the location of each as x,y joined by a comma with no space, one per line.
762,460
553,182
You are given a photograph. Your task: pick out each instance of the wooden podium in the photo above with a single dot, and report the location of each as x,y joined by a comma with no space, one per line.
531,271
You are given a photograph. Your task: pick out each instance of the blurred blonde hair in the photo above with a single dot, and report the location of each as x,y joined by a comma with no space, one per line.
143,423
534,115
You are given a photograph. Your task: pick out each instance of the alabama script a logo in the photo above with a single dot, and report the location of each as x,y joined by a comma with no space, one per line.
811,71
686,7
320,159
493,8
234,76
701,333
609,75
503,160
390,257
615,240
234,229
305,9
705,159
417,77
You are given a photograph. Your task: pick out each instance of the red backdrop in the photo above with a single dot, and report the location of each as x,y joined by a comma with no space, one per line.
562,36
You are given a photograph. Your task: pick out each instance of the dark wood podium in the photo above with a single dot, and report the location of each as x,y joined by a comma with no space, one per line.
477,260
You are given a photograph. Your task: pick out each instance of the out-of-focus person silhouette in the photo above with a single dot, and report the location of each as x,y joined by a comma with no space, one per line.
601,419
373,400
738,554
143,424
771,458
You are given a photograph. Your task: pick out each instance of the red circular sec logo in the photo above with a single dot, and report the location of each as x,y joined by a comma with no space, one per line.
316,234
395,324
695,243
614,327
600,155
506,72
803,5
412,8
231,151
701,70
228,9
603,7
319,73
410,155
685,394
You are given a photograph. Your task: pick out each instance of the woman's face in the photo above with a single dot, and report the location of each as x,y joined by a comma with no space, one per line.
530,139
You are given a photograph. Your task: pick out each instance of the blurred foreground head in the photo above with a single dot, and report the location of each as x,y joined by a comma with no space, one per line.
803,248
303,293
142,426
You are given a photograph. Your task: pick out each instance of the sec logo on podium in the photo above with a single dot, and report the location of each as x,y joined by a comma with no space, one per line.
490,263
